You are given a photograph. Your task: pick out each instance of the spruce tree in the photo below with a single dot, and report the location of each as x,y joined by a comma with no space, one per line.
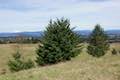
98,42
16,64
59,43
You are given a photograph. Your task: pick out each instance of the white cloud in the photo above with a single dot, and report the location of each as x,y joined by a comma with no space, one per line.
35,14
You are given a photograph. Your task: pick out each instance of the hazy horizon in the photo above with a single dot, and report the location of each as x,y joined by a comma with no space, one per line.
34,15
44,30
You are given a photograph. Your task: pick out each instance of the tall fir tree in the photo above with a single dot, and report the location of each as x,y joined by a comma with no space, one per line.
98,42
59,43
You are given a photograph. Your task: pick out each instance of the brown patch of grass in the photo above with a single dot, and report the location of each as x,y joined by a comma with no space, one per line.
83,67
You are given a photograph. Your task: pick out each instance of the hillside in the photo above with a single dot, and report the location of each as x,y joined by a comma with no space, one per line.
83,67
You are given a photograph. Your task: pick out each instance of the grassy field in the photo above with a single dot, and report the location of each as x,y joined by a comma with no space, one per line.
6,51
83,67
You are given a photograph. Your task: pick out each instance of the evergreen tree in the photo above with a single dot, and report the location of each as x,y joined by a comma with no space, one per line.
114,52
98,42
59,43
17,64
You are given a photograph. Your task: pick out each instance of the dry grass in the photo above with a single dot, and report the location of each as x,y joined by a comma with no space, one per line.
6,51
83,67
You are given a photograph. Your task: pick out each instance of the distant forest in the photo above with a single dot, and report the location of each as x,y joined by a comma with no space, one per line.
34,37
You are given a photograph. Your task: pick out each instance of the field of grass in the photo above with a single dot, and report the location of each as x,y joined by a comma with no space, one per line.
83,67
6,51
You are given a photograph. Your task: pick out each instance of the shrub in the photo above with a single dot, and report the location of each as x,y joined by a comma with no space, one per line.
114,52
28,64
98,42
17,64
119,51
59,43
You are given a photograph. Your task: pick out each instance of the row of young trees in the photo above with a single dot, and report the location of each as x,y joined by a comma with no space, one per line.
61,43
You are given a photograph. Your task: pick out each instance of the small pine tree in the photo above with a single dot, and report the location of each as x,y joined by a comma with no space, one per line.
59,43
17,56
114,52
98,44
17,64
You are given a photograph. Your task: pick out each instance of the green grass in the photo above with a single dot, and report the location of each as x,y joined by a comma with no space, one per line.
83,67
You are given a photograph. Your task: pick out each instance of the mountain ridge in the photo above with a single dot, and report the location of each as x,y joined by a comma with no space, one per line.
39,33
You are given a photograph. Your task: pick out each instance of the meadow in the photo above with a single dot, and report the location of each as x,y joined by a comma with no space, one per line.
83,67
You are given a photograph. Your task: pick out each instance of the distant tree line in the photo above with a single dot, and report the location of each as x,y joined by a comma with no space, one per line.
112,38
19,39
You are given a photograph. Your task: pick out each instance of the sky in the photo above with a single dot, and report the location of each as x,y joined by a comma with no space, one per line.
34,15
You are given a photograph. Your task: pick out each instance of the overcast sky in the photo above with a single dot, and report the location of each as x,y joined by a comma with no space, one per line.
34,15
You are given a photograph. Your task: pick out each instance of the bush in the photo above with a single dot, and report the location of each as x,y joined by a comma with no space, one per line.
17,64
59,43
28,64
119,51
96,51
98,42
114,52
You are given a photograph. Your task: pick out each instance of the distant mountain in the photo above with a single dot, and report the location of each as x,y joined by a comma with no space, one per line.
31,34
83,32
39,33
117,32
109,32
